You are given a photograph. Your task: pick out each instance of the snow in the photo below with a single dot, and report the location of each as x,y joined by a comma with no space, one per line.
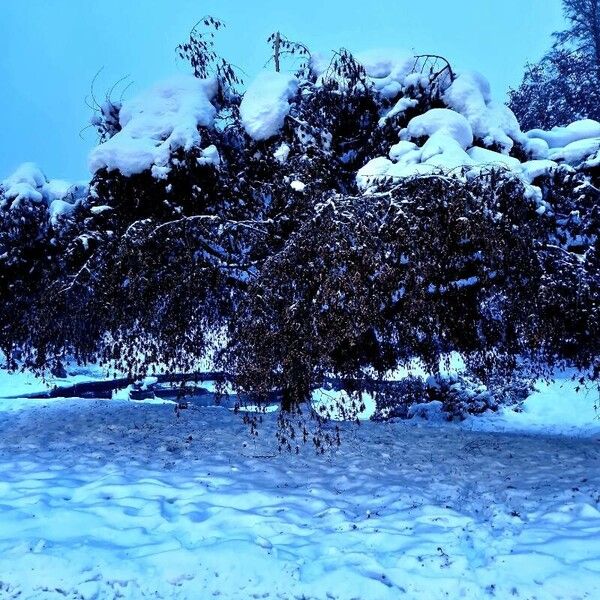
298,186
155,123
29,184
533,169
473,117
266,104
104,499
559,137
484,156
372,171
402,148
282,153
577,152
210,156
444,151
399,109
387,70
440,120
26,183
553,409
536,148
60,208
492,122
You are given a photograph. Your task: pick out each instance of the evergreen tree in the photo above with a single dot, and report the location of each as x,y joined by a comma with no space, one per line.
565,85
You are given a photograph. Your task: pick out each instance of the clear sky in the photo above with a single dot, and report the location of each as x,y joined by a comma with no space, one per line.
51,49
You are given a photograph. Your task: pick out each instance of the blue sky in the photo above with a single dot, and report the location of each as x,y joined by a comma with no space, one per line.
51,49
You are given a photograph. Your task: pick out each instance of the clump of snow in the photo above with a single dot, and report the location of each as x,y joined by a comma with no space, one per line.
562,407
577,152
29,184
387,70
26,183
266,104
156,123
210,156
399,109
430,411
298,186
402,149
536,148
445,151
282,153
559,137
533,169
373,171
484,156
440,120
492,122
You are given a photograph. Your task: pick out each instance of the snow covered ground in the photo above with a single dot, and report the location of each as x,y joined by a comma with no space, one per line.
118,499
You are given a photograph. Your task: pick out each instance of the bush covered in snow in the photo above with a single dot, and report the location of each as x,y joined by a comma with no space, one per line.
359,214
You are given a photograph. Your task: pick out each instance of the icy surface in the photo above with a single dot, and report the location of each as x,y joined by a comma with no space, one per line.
156,123
266,104
106,499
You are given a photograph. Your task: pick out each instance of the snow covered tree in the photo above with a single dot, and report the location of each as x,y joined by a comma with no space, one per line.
583,34
336,222
565,85
558,90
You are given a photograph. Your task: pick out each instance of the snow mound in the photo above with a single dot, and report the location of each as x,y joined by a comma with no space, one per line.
29,184
155,123
387,70
445,151
576,153
492,122
495,159
558,137
266,104
441,120
471,134
26,183
403,149
537,168
562,407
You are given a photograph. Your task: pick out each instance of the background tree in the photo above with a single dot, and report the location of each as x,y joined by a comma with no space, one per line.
565,85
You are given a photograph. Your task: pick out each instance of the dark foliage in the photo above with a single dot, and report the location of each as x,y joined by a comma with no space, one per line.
285,287
565,85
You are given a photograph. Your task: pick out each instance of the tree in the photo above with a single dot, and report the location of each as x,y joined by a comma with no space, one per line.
266,255
565,85
583,35
558,90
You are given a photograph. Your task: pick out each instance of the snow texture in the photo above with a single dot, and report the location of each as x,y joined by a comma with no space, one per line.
558,137
266,104
492,122
29,184
156,123
387,71
441,120
106,499
474,133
